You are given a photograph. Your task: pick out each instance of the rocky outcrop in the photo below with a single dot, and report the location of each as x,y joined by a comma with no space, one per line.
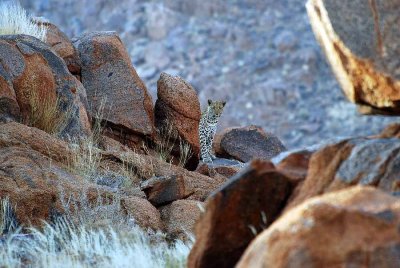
180,217
32,73
247,143
178,107
361,42
62,46
361,161
244,206
356,227
115,92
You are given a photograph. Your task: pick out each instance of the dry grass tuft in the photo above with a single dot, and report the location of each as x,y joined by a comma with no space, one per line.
46,114
15,20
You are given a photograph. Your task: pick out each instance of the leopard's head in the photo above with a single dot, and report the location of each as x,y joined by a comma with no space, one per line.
215,108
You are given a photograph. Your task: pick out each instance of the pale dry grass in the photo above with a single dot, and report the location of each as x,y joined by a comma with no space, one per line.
15,20
46,114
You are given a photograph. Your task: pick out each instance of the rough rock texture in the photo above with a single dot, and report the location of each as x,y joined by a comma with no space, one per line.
356,227
62,46
29,67
143,212
180,217
178,106
361,42
115,91
163,190
247,143
195,186
355,161
295,165
220,167
248,202
32,173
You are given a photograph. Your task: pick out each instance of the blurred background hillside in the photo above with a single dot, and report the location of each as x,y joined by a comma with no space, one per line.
259,55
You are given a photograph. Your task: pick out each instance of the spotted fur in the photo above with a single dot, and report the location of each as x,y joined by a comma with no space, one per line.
208,127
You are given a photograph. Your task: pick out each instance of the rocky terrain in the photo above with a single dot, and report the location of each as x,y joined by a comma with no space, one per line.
87,150
259,55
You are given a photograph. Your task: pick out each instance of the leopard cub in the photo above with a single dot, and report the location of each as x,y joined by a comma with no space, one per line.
208,127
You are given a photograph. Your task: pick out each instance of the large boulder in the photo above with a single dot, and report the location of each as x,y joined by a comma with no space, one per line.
180,217
178,107
244,206
30,72
115,92
361,42
247,143
363,161
356,227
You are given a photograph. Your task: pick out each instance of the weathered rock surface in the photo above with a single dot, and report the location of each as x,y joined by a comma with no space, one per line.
180,217
159,177
220,167
62,46
34,174
115,91
163,190
247,143
29,68
356,227
247,203
361,161
178,106
361,42
143,212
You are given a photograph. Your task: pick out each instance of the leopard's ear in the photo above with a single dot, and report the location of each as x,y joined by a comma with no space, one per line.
223,103
209,102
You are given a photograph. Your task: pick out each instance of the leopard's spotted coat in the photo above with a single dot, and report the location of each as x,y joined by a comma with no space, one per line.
208,127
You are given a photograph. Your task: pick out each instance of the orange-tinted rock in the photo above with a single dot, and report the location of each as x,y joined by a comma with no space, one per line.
391,131
33,69
247,143
178,106
62,46
361,161
180,217
295,165
356,227
163,190
9,108
145,215
247,203
361,42
113,85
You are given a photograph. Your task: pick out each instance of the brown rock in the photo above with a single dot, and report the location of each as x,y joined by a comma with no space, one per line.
9,108
145,215
180,217
178,106
247,143
113,85
391,131
62,46
247,203
220,167
195,186
31,67
163,190
356,227
361,161
361,42
295,165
